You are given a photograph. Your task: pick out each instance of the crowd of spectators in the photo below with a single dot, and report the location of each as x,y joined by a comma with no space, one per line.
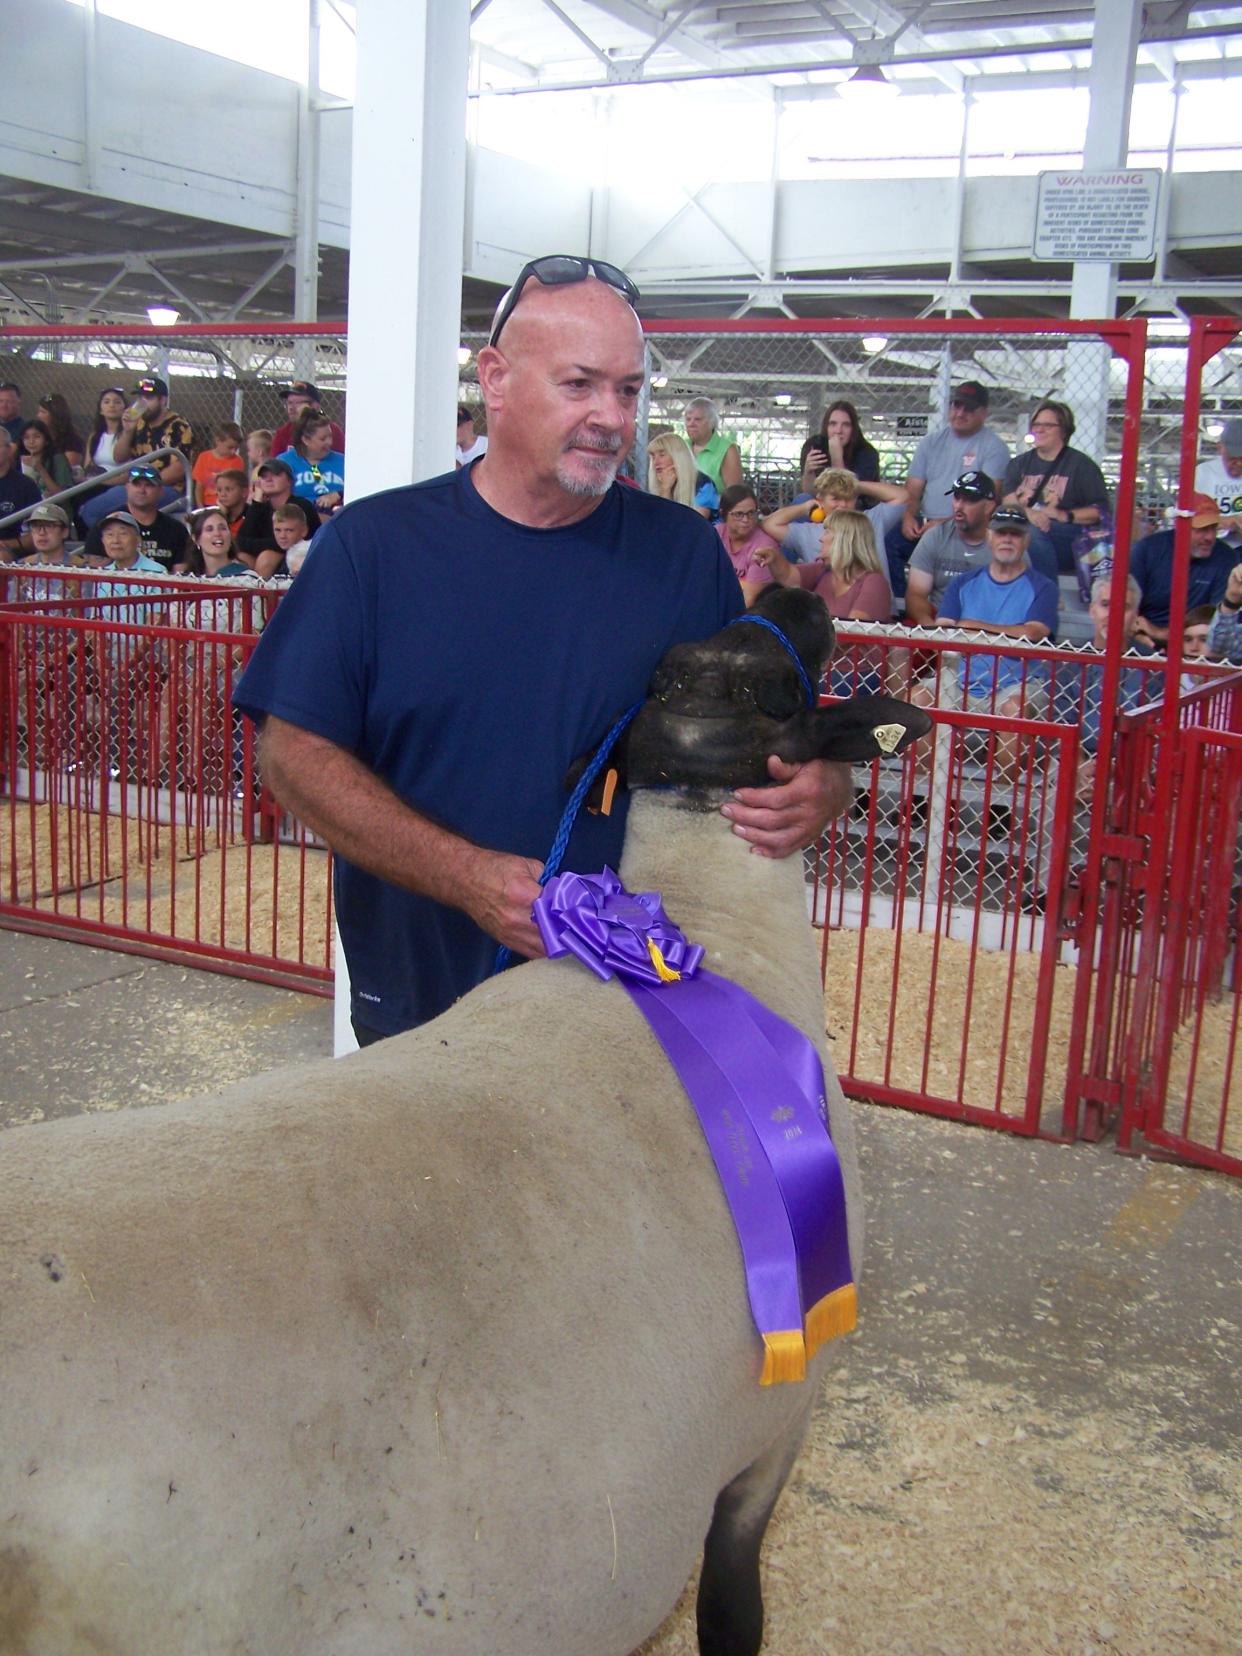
873,549
250,476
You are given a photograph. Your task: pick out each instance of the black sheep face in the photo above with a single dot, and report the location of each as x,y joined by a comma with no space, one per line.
718,708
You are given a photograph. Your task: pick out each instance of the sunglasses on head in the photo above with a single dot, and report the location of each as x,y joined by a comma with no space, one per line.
560,270
144,474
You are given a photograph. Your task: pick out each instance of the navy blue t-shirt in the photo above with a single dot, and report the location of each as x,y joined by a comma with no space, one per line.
1151,564
468,660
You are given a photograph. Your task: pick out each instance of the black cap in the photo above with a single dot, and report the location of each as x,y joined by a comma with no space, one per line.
151,385
1010,517
971,393
144,474
975,485
302,388
277,466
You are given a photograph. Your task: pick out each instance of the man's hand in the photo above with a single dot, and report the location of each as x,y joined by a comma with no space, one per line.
1040,516
779,821
911,528
1233,587
497,891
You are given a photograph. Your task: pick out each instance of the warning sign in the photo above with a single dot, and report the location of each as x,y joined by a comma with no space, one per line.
1106,216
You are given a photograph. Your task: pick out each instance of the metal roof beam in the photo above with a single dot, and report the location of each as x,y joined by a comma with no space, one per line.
214,250
1214,68
650,23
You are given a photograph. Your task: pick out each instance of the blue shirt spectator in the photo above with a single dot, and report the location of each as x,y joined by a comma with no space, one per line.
1151,564
1007,598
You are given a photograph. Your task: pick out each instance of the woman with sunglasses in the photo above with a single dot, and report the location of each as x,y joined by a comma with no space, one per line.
318,469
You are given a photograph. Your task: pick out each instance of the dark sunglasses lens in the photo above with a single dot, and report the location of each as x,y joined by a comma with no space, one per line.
558,270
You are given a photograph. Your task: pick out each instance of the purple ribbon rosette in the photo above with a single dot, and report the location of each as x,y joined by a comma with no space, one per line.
757,1087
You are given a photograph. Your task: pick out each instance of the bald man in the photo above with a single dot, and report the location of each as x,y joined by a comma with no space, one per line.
453,646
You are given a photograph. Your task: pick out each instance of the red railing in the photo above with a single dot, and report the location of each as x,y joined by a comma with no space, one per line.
132,809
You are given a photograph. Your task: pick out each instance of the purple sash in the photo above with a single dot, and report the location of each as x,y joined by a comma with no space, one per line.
757,1087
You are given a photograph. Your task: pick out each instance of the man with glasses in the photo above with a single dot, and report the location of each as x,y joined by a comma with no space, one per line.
964,444
451,647
161,539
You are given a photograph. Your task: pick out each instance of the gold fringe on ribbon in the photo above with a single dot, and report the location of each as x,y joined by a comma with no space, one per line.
664,972
836,1313
784,1357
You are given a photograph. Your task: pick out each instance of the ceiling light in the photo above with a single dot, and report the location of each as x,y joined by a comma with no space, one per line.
868,81
782,399
659,381
1215,430
162,316
874,342
464,353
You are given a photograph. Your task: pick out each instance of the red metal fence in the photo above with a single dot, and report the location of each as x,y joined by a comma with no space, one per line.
1007,939
132,812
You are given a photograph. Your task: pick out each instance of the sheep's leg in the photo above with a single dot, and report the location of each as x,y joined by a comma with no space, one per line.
730,1603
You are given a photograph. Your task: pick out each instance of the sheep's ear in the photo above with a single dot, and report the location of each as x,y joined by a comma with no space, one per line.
865,727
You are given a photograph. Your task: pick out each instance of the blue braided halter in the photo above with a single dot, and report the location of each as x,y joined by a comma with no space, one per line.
762,621
570,814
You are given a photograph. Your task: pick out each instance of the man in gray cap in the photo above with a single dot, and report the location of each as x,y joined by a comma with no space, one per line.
1221,477
49,527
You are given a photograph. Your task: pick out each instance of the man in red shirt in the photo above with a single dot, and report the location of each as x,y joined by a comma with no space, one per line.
300,394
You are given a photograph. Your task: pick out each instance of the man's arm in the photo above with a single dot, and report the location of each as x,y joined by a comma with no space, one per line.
777,523
918,597
1032,631
914,499
362,819
1225,633
731,467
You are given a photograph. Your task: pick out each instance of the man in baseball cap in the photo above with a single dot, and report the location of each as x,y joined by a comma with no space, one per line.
147,426
1151,564
49,526
1221,477
963,444
953,547
300,394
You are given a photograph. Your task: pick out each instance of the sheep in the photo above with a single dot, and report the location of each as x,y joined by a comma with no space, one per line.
443,1347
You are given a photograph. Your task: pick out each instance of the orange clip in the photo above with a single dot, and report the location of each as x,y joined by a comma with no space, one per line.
604,808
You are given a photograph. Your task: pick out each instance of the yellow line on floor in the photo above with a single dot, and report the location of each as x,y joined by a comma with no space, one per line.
1153,1213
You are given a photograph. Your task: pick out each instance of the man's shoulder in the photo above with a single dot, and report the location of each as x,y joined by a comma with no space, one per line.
1153,545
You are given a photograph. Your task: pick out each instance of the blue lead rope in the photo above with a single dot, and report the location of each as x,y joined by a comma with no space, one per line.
812,699
570,815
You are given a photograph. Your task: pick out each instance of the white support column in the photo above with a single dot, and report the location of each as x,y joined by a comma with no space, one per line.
1093,293
405,264
306,194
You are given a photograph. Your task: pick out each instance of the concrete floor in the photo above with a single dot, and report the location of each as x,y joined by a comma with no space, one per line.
1088,1302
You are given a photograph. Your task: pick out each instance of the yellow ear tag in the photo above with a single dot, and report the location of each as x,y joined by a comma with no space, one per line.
665,973
888,736
816,514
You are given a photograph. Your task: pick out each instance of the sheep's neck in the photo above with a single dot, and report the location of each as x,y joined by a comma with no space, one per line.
748,912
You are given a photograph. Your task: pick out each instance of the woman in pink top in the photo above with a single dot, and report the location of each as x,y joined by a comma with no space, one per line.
744,541
847,575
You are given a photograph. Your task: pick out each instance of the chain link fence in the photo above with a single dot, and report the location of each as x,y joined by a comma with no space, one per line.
771,386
